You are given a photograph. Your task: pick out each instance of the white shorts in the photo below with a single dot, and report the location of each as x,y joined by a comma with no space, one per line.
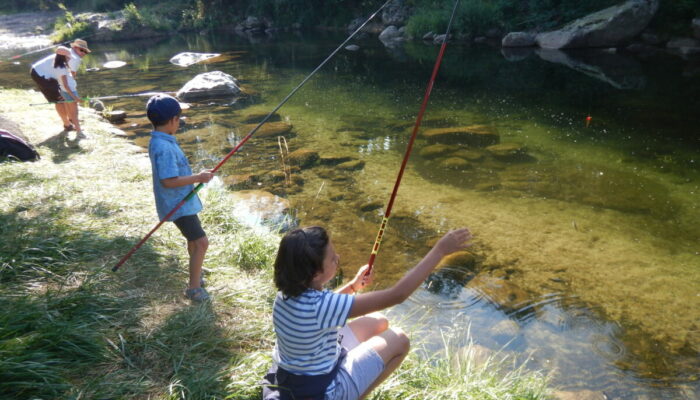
359,370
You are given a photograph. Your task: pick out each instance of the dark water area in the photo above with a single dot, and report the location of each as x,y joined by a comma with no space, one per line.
586,260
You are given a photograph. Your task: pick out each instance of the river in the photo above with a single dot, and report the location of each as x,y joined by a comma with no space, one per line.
586,260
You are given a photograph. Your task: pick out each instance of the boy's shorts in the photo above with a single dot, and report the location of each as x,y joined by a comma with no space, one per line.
360,368
190,227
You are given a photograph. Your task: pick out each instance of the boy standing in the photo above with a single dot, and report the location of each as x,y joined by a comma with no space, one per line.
172,181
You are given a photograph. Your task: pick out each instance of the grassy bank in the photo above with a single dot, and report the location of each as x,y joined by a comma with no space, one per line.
70,328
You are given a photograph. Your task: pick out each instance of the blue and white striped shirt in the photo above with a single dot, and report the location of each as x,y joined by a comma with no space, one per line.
307,330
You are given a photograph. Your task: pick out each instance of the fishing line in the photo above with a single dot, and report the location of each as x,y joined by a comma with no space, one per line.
245,139
46,48
387,214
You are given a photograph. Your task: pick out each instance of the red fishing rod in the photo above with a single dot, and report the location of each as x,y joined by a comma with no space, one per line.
387,213
245,139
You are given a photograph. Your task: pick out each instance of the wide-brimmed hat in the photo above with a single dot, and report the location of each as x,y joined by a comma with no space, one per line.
80,43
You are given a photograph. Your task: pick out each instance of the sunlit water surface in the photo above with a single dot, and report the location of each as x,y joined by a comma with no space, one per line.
587,248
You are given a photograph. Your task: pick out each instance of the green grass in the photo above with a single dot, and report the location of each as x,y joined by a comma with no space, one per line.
70,328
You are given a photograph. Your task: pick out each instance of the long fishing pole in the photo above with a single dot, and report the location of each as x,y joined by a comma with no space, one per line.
387,213
47,48
245,139
118,96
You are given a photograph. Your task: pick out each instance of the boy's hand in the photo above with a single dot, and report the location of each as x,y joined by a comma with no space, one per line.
454,241
362,279
205,176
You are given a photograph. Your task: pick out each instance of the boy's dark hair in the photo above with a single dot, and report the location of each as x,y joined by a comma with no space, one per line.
299,259
60,61
161,108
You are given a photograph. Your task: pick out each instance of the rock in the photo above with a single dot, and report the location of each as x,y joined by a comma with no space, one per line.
519,39
395,13
439,39
303,158
435,151
684,46
579,395
331,159
474,135
507,328
336,196
371,206
679,42
351,165
455,163
617,70
506,151
606,28
241,181
501,292
391,36
430,36
275,175
252,23
114,116
470,155
97,105
696,28
209,85
188,58
458,259
256,116
352,47
269,129
650,38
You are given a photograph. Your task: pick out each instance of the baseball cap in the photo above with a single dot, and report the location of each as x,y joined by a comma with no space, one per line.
162,108
80,43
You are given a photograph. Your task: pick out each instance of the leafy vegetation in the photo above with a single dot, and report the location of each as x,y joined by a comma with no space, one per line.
475,17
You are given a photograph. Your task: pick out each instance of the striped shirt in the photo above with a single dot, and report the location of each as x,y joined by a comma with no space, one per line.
307,330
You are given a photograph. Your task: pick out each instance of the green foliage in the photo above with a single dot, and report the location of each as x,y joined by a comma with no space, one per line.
68,27
132,14
428,20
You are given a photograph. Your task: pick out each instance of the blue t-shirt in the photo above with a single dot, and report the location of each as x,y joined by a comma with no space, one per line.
168,161
307,330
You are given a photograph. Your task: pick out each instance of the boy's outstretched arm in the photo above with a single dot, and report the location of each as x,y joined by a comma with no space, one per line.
381,299
202,177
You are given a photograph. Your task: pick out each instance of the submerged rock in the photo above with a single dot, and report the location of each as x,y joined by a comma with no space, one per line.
303,158
455,163
351,165
115,116
333,159
269,129
209,85
473,135
606,28
500,292
258,206
507,151
255,117
435,151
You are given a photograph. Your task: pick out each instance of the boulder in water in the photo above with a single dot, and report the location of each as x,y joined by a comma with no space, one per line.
474,135
518,39
209,85
606,28
187,58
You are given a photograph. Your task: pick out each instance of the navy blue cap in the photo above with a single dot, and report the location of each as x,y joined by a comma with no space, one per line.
161,108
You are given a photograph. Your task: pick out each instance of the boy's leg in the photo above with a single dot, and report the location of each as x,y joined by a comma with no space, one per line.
197,250
392,346
368,325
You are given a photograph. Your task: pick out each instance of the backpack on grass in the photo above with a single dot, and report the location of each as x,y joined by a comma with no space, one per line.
12,146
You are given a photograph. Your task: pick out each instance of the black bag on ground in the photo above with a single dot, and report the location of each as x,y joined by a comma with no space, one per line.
16,147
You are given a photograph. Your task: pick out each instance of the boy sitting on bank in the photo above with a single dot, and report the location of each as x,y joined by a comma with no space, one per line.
172,181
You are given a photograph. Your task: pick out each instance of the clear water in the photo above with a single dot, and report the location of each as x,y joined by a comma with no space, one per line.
587,244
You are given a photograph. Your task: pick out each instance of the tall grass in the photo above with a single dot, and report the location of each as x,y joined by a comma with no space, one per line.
70,328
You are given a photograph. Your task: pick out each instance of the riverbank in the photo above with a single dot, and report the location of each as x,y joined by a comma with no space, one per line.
72,328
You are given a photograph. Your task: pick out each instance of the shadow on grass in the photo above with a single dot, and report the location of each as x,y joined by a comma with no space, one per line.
63,147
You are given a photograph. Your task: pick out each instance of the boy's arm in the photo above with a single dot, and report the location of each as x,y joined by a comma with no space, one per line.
202,177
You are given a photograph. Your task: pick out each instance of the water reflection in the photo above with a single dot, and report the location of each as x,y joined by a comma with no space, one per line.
587,237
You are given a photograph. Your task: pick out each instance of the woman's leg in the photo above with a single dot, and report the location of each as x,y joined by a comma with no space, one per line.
63,113
392,346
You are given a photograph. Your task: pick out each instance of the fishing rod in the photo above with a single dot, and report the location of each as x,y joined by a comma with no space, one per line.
119,96
46,48
429,88
245,139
